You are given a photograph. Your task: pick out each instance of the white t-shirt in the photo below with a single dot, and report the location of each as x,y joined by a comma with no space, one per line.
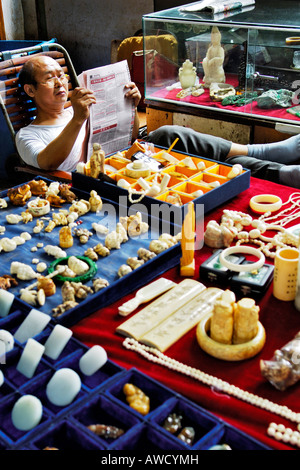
32,139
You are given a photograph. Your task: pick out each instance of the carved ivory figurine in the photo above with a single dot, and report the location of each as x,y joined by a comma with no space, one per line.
213,62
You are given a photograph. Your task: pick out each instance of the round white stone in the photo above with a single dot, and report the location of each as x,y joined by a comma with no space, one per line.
7,339
27,412
1,378
93,360
63,387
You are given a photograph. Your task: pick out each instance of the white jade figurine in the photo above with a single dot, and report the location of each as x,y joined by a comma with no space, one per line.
213,62
187,74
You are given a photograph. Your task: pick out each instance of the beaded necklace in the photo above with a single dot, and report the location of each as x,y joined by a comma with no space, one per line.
266,222
294,200
154,355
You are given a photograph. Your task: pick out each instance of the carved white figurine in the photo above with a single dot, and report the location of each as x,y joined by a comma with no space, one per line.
55,251
213,62
97,161
187,74
77,265
95,201
23,271
8,244
113,240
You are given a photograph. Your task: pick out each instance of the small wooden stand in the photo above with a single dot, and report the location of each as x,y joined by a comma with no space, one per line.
187,261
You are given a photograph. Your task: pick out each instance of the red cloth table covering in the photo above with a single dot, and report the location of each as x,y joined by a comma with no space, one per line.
204,100
280,319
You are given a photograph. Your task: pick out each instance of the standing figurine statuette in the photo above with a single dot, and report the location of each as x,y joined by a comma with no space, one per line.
97,161
213,62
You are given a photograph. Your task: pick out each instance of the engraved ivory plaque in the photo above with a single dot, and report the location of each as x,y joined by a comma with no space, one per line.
184,319
156,312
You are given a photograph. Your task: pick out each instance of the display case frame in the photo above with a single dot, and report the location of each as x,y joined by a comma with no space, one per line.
256,34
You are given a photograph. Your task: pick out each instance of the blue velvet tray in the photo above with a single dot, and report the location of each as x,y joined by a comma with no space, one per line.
101,401
107,267
100,398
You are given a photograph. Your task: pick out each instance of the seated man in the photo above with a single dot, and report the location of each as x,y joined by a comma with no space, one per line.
56,139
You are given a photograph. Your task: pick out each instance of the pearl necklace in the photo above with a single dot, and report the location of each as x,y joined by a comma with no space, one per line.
284,434
154,355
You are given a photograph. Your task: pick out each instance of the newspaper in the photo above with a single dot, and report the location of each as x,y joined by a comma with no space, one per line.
111,118
217,6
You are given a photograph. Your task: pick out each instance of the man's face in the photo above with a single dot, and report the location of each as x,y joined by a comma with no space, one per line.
52,84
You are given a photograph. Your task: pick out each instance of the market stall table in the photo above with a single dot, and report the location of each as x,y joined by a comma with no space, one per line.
280,319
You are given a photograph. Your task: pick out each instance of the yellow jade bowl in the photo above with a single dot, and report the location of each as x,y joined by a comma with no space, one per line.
229,352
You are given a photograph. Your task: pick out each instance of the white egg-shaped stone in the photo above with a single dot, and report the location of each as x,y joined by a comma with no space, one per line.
27,412
63,387
198,193
93,360
7,338
1,378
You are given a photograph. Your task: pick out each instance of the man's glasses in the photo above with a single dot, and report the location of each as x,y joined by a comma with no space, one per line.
51,81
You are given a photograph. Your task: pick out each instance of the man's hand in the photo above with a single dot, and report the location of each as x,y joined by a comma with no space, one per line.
82,99
133,93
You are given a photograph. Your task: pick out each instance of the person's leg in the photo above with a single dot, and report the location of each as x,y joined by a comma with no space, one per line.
286,151
191,142
289,175
216,148
262,169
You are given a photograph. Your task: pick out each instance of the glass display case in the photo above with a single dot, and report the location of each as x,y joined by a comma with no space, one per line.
242,64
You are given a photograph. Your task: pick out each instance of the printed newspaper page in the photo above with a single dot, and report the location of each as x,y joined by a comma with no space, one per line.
111,118
217,6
